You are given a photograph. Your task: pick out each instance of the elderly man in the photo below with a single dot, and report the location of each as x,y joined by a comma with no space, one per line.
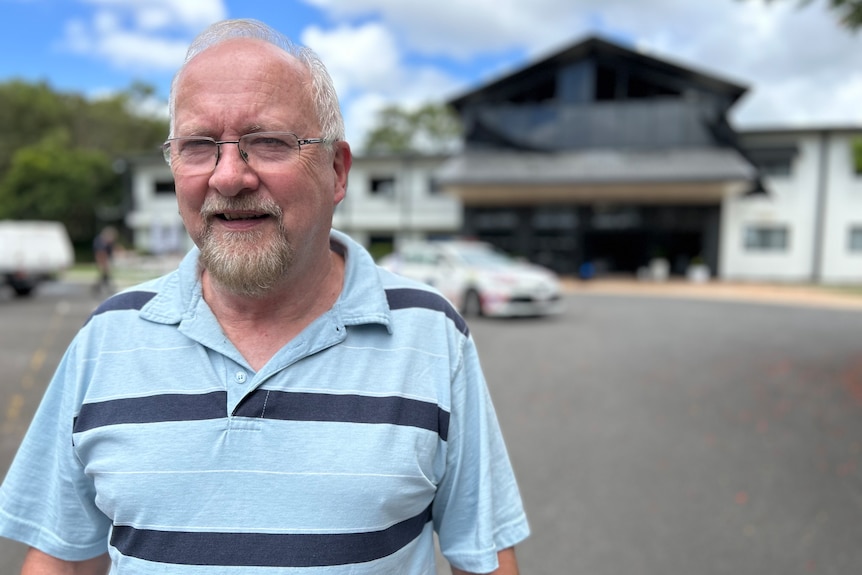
278,404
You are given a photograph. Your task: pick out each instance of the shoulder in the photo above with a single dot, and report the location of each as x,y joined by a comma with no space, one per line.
410,296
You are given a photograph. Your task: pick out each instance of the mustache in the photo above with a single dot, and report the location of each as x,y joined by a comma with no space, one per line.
214,205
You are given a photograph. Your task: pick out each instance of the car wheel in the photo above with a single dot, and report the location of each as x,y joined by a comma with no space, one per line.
22,289
472,304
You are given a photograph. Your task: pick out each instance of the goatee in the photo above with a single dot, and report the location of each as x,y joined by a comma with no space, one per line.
247,263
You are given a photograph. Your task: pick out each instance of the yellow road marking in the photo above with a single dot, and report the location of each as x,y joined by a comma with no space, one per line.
37,361
13,410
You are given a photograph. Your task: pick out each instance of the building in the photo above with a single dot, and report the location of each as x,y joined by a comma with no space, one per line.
604,158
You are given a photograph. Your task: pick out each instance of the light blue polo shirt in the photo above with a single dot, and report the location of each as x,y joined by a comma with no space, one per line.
157,442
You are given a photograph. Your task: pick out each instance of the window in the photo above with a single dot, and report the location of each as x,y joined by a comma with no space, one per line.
857,155
434,187
380,246
554,218
165,188
496,220
767,238
774,161
383,186
776,168
855,239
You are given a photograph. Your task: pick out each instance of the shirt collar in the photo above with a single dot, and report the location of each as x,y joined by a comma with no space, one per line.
362,299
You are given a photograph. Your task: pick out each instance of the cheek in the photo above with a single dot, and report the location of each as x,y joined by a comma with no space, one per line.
189,205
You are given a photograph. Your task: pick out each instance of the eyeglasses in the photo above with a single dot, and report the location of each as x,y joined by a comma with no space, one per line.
198,155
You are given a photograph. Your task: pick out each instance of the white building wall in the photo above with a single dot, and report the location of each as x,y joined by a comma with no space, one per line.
411,208
843,210
790,203
154,219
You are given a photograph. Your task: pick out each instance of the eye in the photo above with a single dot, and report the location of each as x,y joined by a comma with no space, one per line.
195,147
269,144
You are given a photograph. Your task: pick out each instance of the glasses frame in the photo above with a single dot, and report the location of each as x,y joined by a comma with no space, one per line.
300,142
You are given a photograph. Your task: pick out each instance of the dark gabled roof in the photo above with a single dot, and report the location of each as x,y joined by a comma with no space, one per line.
593,46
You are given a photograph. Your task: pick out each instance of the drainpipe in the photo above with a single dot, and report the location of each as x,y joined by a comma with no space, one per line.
820,208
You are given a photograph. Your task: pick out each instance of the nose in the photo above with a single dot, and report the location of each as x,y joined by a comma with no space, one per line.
242,153
232,174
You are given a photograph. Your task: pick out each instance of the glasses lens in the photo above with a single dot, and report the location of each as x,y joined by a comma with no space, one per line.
192,155
265,149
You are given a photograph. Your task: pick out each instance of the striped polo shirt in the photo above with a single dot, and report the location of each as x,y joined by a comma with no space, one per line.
370,430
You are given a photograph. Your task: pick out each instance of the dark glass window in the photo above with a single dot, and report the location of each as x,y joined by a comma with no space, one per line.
767,238
166,188
383,186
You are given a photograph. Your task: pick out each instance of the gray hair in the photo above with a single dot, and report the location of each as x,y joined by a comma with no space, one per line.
322,89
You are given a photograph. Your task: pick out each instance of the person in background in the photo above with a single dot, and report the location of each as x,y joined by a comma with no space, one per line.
104,245
277,404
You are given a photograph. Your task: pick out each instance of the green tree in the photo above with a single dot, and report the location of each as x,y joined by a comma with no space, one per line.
849,12
58,149
431,128
27,113
53,181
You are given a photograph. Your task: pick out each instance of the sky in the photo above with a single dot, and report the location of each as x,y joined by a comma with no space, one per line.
800,66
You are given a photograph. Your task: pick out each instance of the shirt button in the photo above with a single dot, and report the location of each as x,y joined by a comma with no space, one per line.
240,377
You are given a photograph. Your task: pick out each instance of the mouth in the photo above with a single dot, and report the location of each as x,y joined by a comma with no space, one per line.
240,216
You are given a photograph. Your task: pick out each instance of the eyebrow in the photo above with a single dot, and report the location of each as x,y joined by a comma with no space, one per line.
249,129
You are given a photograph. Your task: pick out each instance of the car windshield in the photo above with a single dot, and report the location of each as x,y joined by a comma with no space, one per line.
485,257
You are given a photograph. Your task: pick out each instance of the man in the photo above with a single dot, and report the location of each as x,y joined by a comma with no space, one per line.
278,404
103,251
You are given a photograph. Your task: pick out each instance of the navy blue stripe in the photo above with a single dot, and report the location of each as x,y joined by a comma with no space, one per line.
124,301
405,298
266,404
157,408
345,408
265,549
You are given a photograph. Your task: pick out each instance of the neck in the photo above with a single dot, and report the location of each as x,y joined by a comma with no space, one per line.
260,326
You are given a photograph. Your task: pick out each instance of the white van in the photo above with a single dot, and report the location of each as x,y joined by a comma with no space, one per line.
32,252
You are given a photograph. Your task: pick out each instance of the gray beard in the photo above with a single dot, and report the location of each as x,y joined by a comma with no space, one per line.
245,263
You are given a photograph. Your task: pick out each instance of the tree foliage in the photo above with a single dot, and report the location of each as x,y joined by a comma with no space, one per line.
432,128
849,12
51,180
58,149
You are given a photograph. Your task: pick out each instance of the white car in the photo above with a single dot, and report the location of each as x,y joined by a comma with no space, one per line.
32,252
479,279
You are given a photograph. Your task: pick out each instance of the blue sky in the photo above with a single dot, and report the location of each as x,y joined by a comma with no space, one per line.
801,68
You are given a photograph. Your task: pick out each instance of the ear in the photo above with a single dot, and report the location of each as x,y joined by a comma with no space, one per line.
342,159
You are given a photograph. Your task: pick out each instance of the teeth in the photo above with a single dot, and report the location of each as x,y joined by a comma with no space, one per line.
231,218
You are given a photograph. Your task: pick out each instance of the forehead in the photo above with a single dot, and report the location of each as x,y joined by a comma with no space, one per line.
243,80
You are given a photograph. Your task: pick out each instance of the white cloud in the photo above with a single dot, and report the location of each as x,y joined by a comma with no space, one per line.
462,29
799,64
192,14
364,58
369,73
141,34
360,117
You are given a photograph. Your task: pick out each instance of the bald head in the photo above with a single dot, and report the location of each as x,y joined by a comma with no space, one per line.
226,36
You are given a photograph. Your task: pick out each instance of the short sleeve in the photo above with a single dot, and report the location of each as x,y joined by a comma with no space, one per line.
478,510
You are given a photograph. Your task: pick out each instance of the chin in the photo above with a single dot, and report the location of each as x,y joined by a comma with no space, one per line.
246,263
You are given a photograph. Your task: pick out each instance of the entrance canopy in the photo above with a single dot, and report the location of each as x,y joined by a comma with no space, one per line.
678,176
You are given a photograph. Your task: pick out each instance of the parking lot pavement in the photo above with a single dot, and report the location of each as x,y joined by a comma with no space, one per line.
766,293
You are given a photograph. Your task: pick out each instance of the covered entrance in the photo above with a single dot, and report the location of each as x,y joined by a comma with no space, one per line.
613,210
611,239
